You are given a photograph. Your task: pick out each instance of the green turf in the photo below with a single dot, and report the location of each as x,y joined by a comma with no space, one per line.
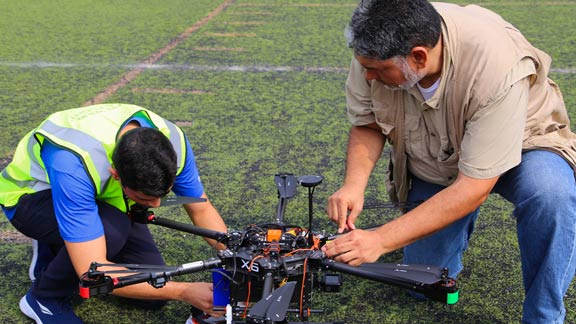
259,90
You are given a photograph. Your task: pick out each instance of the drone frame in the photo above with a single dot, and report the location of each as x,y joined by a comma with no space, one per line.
267,264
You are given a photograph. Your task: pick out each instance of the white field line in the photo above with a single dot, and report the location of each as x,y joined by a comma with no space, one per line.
231,68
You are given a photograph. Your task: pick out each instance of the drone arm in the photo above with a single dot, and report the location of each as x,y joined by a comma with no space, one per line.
443,289
188,228
141,214
96,282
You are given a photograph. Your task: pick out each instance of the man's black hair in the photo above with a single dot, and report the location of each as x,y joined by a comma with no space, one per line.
383,29
145,161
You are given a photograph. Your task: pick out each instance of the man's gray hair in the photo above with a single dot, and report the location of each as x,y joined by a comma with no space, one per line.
383,29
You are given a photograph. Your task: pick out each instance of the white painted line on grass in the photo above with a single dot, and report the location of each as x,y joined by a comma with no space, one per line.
239,68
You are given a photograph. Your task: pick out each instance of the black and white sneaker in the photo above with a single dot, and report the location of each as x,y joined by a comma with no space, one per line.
48,310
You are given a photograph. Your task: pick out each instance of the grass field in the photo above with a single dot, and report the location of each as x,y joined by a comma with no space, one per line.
257,85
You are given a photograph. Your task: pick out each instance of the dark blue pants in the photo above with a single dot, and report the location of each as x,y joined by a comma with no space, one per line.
543,190
126,242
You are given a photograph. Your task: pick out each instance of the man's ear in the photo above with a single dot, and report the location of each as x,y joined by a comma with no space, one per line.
114,173
420,57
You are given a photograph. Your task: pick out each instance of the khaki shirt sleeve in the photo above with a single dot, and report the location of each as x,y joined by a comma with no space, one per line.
492,143
358,96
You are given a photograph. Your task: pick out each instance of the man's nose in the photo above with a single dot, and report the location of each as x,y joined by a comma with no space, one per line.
154,203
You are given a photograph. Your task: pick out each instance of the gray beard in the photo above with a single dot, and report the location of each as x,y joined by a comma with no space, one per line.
412,77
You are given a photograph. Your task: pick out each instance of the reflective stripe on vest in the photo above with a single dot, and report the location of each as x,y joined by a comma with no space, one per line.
36,171
95,160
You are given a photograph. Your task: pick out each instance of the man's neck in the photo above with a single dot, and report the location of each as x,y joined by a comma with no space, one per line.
131,125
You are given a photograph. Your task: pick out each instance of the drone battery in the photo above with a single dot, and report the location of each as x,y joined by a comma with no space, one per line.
221,287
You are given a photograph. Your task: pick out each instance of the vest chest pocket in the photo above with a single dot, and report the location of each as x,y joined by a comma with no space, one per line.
414,140
384,118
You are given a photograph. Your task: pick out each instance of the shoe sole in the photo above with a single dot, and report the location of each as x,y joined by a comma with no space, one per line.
28,311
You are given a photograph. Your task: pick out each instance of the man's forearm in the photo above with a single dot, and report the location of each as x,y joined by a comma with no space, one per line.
438,212
173,290
365,147
205,215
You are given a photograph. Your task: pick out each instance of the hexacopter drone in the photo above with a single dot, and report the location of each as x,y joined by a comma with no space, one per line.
268,271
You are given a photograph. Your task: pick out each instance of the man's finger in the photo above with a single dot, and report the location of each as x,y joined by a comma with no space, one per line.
333,212
342,217
350,221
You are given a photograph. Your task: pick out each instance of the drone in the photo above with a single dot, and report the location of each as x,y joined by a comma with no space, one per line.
268,271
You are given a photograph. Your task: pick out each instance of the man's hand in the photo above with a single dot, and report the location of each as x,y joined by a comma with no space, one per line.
344,206
199,295
355,248
447,206
364,150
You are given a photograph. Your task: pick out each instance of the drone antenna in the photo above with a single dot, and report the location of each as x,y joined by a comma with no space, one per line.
310,182
286,185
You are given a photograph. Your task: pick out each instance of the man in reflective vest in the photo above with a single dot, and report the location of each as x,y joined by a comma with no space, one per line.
69,186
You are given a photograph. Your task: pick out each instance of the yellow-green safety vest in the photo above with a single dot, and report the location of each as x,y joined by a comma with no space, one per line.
90,133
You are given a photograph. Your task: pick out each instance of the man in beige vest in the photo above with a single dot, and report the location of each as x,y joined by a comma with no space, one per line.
466,104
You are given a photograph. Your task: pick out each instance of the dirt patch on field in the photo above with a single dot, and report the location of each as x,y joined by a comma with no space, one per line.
169,91
182,123
8,236
231,34
245,23
218,49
